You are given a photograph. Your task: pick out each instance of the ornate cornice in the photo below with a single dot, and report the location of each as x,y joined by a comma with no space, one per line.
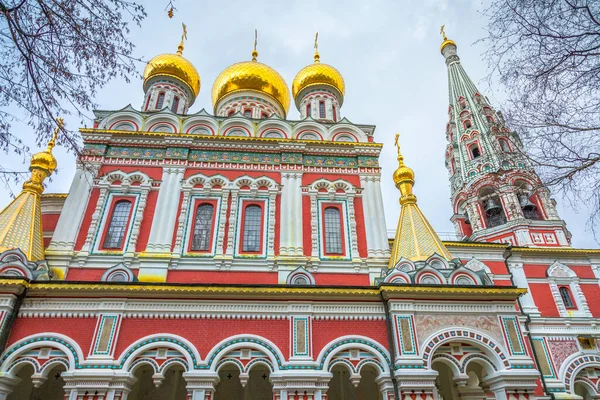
368,293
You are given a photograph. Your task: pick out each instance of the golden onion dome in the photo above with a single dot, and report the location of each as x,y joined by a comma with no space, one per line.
404,179
254,76
446,41
45,160
174,66
318,74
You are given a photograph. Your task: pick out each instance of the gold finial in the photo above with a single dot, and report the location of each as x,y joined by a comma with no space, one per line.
254,52
445,38
317,56
404,177
183,37
43,164
59,125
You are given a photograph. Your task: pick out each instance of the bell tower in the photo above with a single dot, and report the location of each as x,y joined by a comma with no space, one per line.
496,194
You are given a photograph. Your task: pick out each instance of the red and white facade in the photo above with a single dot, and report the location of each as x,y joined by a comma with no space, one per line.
205,257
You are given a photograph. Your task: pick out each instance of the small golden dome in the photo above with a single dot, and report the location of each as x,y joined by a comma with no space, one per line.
318,74
404,179
174,66
44,160
445,43
251,75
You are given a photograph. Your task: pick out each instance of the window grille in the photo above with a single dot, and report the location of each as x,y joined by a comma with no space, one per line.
203,227
117,225
565,294
333,231
321,109
175,104
252,229
160,101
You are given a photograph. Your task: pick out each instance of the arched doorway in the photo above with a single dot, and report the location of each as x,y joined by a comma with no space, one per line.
341,386
257,387
171,388
585,390
51,389
444,382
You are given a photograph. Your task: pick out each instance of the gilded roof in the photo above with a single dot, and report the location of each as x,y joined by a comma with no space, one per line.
254,76
317,74
21,220
174,66
415,238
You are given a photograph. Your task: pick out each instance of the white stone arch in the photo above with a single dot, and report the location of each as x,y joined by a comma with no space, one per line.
126,178
405,265
398,277
560,270
161,340
155,121
354,342
49,339
197,122
463,272
126,115
475,265
438,262
299,273
449,361
138,363
340,129
255,183
488,366
464,335
591,388
224,347
576,362
309,126
237,122
268,125
429,271
332,186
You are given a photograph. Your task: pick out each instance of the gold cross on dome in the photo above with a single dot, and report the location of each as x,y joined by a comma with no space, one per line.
397,143
184,35
443,32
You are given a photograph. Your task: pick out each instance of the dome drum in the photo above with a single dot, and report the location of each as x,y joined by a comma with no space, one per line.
318,75
173,67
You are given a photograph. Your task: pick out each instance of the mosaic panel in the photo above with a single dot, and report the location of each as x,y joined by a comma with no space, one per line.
292,158
515,341
94,149
135,152
300,336
234,157
406,334
177,152
326,161
543,358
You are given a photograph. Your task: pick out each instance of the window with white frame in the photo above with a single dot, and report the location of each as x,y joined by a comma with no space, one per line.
117,226
252,229
203,224
332,221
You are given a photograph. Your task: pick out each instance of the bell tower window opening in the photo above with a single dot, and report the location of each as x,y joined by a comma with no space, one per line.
160,101
248,113
504,145
332,223
252,229
203,223
530,210
175,104
321,109
475,151
494,214
489,119
565,295
117,226
467,124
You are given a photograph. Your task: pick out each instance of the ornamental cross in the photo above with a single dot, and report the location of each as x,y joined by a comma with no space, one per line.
397,143
443,32
254,52
317,41
184,35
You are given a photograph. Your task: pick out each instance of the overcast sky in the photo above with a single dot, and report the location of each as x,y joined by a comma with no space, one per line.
387,51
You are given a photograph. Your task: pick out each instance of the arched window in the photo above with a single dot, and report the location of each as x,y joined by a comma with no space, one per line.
308,110
565,295
333,231
504,145
252,229
147,102
203,227
300,280
475,152
468,124
175,104
263,115
334,114
248,113
124,126
117,226
230,113
452,166
489,119
160,100
321,109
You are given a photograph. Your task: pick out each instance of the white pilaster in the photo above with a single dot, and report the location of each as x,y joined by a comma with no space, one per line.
285,240
380,225
520,280
74,208
165,214
296,212
369,215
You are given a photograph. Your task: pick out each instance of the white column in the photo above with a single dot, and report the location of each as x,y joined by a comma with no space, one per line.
520,280
165,214
296,212
369,217
73,210
232,221
380,225
285,241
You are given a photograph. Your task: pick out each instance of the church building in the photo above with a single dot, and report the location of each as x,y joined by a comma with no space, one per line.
237,254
